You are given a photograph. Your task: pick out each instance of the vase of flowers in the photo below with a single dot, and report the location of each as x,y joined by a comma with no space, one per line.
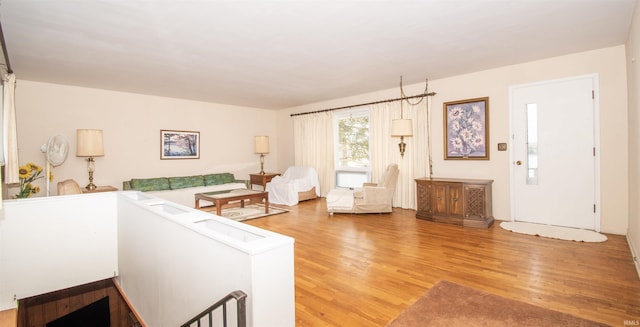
28,174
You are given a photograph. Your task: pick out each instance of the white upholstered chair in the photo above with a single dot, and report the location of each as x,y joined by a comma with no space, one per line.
371,198
296,184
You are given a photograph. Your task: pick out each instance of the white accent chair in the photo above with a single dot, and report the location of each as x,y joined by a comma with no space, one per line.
296,184
371,198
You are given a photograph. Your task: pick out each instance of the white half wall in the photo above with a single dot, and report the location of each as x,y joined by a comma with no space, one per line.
176,261
171,261
48,244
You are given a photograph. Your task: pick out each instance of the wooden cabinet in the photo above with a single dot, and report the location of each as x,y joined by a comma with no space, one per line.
465,202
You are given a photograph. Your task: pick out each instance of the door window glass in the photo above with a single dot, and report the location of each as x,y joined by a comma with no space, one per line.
532,144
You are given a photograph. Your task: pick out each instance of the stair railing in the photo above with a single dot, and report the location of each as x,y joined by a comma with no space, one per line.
241,311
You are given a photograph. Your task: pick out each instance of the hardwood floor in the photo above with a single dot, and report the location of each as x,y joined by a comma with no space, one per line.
9,318
364,270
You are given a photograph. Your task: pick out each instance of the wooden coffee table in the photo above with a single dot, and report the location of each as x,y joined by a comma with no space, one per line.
223,197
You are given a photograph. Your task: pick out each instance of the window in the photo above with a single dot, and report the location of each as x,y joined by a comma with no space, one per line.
352,147
532,144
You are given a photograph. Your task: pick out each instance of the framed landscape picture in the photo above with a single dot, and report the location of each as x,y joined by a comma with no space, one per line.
466,129
179,145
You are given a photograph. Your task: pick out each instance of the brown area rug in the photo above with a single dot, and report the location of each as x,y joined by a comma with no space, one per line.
450,304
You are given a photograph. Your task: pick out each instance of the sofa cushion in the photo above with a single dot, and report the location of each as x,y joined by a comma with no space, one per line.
186,181
217,179
150,184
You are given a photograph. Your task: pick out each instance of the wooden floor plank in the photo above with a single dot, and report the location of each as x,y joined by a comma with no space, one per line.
364,270
9,318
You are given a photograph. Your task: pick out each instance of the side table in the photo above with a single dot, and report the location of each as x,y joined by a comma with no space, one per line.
98,189
257,179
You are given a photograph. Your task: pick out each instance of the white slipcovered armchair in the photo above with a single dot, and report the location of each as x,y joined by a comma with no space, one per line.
296,184
371,198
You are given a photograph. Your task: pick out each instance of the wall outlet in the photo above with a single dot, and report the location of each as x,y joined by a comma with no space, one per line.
502,146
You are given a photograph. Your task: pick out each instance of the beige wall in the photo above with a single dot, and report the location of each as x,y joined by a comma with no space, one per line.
132,124
633,73
608,63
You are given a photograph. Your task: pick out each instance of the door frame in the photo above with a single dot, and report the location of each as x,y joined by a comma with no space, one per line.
596,139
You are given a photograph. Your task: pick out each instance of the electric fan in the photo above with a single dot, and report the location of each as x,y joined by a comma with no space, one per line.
55,153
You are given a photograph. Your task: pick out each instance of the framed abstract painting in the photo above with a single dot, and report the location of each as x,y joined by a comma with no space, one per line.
466,129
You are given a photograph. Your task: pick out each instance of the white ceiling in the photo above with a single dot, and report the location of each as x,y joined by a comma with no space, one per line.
278,54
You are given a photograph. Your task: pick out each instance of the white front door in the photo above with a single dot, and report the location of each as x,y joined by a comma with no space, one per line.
554,155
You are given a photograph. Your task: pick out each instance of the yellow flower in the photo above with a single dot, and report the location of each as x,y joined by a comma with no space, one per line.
24,171
35,167
28,173
50,176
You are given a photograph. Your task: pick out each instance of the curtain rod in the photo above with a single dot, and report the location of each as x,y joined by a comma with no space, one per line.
4,51
366,104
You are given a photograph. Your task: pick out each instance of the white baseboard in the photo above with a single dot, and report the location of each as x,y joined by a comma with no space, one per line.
634,254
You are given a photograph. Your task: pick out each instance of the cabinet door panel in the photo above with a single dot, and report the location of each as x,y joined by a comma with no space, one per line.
475,202
456,203
424,199
439,201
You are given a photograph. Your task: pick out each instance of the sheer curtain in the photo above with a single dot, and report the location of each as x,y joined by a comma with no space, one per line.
9,132
314,138
10,138
384,148
313,146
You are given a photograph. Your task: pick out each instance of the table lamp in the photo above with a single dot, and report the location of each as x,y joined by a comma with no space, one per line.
262,148
89,145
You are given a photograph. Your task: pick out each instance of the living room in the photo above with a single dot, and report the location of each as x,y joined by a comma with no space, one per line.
132,123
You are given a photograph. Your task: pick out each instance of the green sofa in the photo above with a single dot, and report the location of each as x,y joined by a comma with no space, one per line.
181,189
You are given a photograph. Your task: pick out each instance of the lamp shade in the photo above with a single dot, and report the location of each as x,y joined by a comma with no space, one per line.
401,127
89,143
262,144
